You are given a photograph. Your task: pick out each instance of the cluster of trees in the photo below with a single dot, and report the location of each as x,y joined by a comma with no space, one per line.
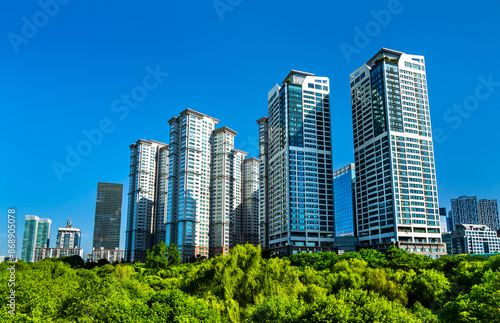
244,286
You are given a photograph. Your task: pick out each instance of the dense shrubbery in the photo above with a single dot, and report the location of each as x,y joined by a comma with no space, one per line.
363,286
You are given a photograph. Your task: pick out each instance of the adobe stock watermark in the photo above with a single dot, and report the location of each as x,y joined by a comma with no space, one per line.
373,28
223,6
48,9
11,240
121,107
455,116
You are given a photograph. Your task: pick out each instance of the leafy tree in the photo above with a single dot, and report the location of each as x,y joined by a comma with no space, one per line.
173,255
278,309
429,288
156,257
481,305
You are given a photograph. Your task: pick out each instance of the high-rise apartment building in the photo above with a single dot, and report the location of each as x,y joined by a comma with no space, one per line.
250,211
108,215
68,237
189,178
146,198
263,182
464,210
226,190
36,235
488,213
344,190
397,200
298,205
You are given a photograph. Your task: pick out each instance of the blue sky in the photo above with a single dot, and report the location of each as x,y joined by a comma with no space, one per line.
62,72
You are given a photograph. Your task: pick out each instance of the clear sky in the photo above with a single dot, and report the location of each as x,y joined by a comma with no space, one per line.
70,67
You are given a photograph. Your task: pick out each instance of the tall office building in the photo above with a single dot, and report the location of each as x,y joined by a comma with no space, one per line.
146,198
250,212
68,237
488,213
108,216
300,215
263,182
344,190
397,200
36,235
464,210
189,176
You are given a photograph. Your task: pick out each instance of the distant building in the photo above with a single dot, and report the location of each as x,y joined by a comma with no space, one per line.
36,235
250,212
68,237
472,239
464,211
108,216
146,198
2,258
443,220
42,253
344,191
467,210
108,254
488,213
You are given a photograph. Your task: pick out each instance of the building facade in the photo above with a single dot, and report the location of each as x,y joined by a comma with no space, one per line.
42,253
68,237
250,211
108,216
146,198
263,182
299,214
443,220
396,189
488,213
111,255
226,192
344,190
472,239
464,210
36,235
189,178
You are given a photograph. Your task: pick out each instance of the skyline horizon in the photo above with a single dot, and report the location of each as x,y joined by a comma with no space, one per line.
122,74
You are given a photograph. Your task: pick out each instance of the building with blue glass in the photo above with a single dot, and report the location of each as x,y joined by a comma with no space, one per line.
344,190
296,165
36,235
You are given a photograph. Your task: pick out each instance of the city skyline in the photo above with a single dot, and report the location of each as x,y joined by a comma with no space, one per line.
56,79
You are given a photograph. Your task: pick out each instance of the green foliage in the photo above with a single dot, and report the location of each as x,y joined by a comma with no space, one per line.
245,286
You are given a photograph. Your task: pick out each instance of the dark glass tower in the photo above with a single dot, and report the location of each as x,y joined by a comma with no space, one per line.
108,215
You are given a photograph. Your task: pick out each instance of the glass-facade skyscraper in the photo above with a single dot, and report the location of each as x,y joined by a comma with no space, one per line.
344,191
295,141
36,235
396,189
108,215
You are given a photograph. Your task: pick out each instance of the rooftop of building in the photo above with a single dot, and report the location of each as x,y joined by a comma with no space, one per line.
195,113
381,53
292,72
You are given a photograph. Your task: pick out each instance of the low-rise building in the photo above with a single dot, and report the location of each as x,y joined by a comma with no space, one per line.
42,253
472,239
111,255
